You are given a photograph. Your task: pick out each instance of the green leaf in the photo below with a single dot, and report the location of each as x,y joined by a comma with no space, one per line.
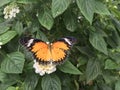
4,86
117,85
19,27
98,42
45,18
38,87
13,63
68,67
30,81
70,21
4,27
109,64
3,2
115,56
7,80
85,50
92,70
27,1
103,86
51,82
66,81
2,76
7,36
42,36
59,6
81,61
114,39
109,77
87,8
11,88
116,23
101,8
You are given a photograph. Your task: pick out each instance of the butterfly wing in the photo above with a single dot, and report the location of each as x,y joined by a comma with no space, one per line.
40,49
46,53
59,51
60,48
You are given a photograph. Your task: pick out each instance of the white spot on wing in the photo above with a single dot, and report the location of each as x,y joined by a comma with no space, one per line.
47,42
30,42
67,40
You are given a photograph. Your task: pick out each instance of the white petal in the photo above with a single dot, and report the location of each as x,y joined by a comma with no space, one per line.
42,73
14,10
51,71
6,17
17,11
10,16
14,14
4,12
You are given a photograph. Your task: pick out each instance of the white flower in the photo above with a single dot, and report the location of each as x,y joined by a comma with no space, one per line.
10,11
43,69
0,44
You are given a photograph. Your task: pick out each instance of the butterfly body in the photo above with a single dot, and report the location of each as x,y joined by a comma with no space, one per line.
45,52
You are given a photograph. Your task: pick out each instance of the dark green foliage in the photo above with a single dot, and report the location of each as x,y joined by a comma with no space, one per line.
93,62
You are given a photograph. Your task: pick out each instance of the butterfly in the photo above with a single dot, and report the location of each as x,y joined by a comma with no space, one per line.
45,52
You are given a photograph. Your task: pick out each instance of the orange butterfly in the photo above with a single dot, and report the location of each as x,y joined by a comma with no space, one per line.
45,52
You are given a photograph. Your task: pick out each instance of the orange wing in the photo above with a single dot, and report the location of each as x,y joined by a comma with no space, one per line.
46,53
39,48
41,52
59,51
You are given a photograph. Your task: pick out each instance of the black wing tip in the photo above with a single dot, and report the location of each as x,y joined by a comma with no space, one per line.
70,40
24,40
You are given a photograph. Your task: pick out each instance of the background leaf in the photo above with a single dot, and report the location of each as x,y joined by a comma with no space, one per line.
51,82
7,80
87,8
13,63
117,85
4,27
109,64
92,70
104,87
11,88
30,81
3,2
6,37
27,1
101,8
70,21
59,6
19,28
68,67
45,18
98,42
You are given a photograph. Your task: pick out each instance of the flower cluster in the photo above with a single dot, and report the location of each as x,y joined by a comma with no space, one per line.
10,11
42,69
